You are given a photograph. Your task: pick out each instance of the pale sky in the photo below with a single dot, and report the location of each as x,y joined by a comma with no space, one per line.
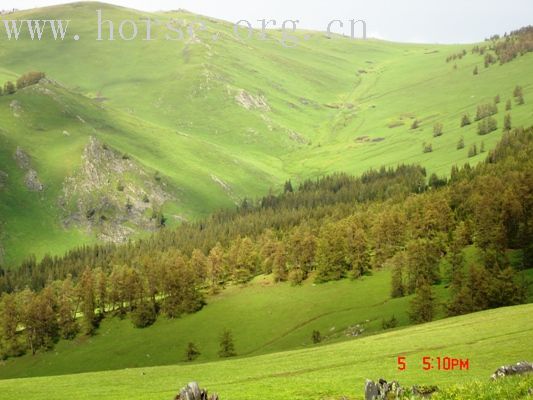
427,21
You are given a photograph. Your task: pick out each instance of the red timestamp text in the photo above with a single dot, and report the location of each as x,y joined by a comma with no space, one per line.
429,363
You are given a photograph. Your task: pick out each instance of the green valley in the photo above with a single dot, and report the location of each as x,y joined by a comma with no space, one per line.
487,339
270,221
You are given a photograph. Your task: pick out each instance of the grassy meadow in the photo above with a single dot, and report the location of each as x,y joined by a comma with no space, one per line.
488,339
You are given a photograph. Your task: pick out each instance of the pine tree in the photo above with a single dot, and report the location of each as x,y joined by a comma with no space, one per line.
508,105
67,309
101,291
465,120
215,268
330,253
227,347
461,143
301,252
422,307
191,352
11,344
198,264
438,129
279,262
39,319
397,282
472,151
316,337
456,258
287,188
422,258
507,125
86,292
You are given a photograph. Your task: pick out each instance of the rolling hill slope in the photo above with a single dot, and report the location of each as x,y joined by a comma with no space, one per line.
488,339
217,121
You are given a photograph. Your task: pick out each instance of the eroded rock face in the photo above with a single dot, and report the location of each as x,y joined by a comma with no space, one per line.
112,195
31,178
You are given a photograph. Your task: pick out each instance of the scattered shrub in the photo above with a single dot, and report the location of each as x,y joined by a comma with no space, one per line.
30,78
465,120
437,129
507,125
389,323
143,316
472,151
487,125
9,88
486,110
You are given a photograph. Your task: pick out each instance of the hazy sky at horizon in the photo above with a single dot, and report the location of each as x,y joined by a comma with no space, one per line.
452,21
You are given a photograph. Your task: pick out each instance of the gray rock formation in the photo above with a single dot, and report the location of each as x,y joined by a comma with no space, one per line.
22,158
250,102
31,179
193,392
3,179
382,390
522,367
111,195
32,182
371,390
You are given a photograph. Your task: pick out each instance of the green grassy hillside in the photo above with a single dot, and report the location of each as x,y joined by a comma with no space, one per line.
221,120
264,317
488,339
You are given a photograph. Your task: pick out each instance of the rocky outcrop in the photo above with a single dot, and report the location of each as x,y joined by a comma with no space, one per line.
16,108
22,158
522,367
32,182
193,392
3,179
383,390
31,178
112,196
250,102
